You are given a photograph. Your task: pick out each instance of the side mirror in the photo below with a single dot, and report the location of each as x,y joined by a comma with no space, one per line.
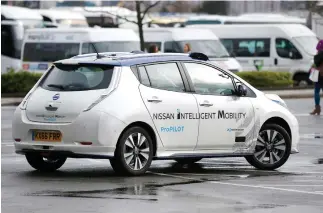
242,90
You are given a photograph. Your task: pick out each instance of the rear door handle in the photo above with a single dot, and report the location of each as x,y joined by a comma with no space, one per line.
154,99
206,104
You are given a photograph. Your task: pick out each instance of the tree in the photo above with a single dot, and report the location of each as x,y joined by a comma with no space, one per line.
312,7
140,17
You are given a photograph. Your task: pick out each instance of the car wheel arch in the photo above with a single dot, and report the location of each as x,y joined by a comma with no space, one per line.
281,122
148,128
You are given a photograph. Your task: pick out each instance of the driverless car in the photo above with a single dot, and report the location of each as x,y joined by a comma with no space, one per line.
132,108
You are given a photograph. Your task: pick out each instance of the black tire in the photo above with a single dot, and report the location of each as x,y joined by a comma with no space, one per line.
119,162
115,166
49,165
284,155
304,78
187,160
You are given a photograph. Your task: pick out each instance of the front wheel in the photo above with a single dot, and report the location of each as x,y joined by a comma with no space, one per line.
48,164
272,149
134,152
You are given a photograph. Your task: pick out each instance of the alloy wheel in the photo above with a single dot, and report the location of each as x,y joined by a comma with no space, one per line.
270,147
136,151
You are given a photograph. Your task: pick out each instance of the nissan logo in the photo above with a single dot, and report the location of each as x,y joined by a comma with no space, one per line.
56,97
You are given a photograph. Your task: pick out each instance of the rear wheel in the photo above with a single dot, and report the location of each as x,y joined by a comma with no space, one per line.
188,160
45,164
134,152
302,80
272,149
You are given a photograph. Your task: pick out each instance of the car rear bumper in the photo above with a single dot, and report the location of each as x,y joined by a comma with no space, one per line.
68,151
98,129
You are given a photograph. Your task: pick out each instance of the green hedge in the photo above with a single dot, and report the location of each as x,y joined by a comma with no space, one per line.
18,82
22,82
267,79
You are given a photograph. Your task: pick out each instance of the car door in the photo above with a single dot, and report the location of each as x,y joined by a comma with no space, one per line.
170,106
287,56
226,120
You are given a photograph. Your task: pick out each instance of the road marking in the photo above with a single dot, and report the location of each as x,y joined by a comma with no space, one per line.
307,115
240,185
290,185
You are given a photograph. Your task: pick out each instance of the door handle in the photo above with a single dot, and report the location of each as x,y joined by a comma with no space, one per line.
275,61
206,104
154,99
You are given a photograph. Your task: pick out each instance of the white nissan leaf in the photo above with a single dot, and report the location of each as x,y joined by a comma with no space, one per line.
132,108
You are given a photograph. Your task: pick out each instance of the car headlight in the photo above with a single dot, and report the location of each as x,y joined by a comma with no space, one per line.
277,99
282,103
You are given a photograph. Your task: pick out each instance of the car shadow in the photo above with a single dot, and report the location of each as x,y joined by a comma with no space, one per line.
202,168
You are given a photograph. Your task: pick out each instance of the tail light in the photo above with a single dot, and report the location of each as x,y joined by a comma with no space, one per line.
24,102
17,139
115,83
101,98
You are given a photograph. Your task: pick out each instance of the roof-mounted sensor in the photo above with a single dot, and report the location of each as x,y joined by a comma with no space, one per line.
198,56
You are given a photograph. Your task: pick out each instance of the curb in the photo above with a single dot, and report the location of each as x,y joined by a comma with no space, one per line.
297,96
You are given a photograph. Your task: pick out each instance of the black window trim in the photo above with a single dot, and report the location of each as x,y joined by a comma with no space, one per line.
191,85
146,74
186,84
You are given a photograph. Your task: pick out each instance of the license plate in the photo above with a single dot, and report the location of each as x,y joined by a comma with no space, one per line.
48,136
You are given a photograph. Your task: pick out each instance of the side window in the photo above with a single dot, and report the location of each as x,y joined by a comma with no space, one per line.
209,81
7,48
87,48
286,49
143,76
165,76
228,44
171,47
251,47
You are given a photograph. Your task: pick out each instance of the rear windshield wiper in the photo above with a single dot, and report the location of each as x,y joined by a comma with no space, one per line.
58,86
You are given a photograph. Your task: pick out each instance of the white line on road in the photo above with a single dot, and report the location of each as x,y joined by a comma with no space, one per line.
306,115
282,185
241,185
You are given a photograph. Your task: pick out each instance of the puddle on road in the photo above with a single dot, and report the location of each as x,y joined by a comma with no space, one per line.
260,206
136,192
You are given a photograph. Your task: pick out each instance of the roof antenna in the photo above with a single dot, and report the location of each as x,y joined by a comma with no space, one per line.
97,53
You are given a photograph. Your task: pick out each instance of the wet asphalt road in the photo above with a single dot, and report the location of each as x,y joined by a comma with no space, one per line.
212,185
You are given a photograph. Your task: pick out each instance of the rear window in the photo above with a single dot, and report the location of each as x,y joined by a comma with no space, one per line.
78,77
49,52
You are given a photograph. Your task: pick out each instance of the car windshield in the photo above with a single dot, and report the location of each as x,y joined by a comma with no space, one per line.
49,52
211,48
308,43
78,77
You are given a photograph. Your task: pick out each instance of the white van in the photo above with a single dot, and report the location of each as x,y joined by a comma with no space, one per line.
14,22
279,47
41,47
249,18
201,40
61,18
